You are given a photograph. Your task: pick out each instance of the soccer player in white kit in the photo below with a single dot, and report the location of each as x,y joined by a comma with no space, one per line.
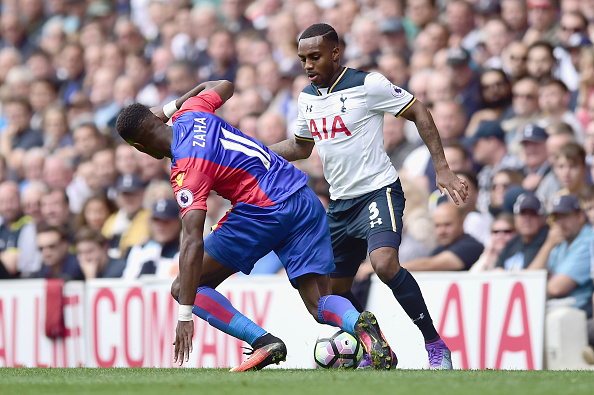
342,113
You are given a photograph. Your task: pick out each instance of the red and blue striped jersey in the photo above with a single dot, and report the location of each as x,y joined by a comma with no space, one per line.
209,154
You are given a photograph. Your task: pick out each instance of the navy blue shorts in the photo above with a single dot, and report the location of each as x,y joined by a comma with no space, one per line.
296,230
364,224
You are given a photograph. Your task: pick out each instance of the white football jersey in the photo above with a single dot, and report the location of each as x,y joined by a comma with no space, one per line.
346,122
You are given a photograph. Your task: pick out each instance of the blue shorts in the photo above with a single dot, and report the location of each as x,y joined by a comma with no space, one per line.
363,224
296,230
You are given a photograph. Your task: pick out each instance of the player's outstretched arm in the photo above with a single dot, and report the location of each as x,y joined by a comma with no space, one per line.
223,88
294,149
190,267
446,179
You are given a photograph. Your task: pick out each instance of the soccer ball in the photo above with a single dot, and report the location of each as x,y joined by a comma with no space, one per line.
341,350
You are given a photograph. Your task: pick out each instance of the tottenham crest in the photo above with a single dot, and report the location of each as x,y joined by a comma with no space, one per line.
184,198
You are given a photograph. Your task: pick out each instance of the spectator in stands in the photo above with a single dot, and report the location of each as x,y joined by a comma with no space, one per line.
105,108
160,254
502,231
496,99
31,195
502,181
91,252
534,154
129,225
87,140
570,23
466,80
13,33
152,169
42,94
566,254
531,228
490,151
95,211
515,14
18,136
126,159
17,234
234,18
223,60
541,63
559,135
32,166
393,40
496,37
525,107
271,128
460,22
542,21
586,86
104,163
395,68
55,211
514,59
553,101
73,71
54,244
56,134
456,250
570,168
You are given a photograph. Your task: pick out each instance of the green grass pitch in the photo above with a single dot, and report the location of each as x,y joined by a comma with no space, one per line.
146,381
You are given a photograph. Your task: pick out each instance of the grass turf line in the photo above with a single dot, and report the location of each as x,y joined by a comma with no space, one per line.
148,381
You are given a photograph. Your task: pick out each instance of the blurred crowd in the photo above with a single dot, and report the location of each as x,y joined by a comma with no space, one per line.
509,83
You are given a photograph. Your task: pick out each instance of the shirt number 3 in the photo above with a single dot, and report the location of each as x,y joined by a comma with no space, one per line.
375,219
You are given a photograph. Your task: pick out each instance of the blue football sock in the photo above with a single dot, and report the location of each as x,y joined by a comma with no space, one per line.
337,311
407,292
215,309
353,299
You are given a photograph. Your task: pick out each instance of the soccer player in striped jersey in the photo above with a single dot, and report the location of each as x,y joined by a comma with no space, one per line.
341,112
273,209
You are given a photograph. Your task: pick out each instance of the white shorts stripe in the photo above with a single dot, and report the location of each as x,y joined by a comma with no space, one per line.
391,208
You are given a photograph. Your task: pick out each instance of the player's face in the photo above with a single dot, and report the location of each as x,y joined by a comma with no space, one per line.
319,59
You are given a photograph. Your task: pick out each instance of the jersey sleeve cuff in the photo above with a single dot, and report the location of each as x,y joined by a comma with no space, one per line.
410,103
303,138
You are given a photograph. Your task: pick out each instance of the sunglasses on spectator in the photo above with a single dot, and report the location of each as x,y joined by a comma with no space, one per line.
521,58
502,231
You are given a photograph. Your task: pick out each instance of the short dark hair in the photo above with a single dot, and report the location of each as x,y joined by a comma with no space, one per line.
555,81
130,121
543,44
46,228
89,234
574,153
321,29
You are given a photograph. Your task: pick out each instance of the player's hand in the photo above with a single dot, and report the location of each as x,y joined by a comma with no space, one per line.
158,111
447,180
183,341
